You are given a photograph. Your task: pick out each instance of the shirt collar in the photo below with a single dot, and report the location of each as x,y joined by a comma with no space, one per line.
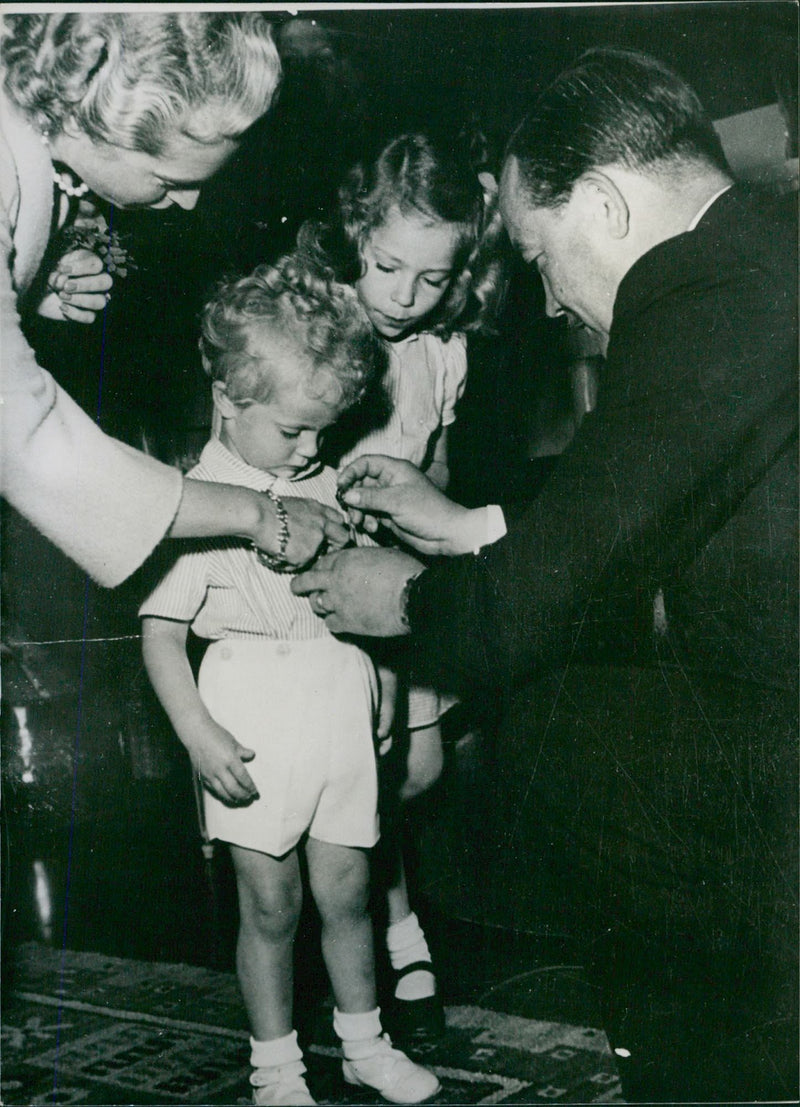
225,466
706,206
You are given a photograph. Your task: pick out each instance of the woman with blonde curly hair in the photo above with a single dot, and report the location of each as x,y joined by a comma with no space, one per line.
138,110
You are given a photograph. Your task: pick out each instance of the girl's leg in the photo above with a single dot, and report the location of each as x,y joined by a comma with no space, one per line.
423,768
339,879
270,895
425,761
405,939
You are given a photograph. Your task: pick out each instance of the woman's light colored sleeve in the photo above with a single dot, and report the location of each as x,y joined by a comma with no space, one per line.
103,503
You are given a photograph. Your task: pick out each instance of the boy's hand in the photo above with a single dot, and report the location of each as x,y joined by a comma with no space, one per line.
219,759
80,288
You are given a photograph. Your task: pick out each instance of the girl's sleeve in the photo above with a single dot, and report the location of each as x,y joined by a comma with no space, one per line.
103,503
455,376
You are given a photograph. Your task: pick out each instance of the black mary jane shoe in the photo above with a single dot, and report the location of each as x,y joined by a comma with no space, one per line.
415,1021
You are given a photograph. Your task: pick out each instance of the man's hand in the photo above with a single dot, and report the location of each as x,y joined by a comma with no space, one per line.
394,493
360,591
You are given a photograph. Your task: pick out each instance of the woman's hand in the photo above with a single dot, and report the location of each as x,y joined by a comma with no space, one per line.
395,494
80,288
314,529
208,509
360,591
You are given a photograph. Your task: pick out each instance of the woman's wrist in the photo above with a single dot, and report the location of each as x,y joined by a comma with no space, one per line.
277,560
208,509
257,515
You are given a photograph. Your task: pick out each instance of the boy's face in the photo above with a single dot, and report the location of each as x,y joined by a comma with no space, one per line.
281,436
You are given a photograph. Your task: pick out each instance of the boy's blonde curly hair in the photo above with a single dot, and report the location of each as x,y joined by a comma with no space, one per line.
290,305
131,79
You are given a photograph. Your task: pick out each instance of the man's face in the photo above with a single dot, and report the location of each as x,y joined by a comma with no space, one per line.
565,244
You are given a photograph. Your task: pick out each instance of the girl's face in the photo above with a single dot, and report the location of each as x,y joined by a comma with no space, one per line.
408,265
282,436
133,179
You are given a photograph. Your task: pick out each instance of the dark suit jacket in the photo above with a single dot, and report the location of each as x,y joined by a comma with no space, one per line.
637,627
666,487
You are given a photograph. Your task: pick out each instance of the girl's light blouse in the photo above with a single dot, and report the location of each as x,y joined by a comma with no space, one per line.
424,381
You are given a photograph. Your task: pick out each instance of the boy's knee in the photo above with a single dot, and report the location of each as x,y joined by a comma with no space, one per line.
341,890
273,912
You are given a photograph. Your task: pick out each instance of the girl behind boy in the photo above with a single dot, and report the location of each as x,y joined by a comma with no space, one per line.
417,235
280,723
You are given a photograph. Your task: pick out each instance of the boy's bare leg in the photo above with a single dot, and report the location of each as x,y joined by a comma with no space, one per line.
270,896
339,879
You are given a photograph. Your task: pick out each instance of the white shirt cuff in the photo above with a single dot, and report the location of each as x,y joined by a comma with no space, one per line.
495,525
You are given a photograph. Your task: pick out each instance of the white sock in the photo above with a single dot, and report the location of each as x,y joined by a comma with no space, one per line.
275,1051
359,1033
405,941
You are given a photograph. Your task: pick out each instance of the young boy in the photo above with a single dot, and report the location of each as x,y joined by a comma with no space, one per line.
280,724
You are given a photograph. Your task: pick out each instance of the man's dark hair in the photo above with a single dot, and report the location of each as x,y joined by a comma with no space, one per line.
612,107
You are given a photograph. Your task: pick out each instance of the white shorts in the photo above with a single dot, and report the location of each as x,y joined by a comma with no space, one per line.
307,708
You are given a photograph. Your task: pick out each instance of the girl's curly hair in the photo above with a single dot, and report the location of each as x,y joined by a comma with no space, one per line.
421,177
288,305
131,79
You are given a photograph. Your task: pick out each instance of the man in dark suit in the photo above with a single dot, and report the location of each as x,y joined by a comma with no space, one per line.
638,622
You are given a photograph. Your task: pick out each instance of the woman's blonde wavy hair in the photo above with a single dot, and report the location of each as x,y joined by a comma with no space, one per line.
133,79
250,319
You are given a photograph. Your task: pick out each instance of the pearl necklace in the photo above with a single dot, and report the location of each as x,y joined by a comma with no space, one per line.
64,182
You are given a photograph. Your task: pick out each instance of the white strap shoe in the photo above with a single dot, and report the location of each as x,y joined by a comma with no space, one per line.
281,1086
393,1074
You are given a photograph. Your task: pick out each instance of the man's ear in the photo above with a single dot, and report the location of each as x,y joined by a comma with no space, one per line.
222,401
606,202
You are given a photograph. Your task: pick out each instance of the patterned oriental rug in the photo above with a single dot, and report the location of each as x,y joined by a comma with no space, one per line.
83,1028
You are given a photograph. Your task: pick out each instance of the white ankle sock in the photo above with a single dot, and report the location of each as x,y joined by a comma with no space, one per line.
275,1051
359,1033
405,941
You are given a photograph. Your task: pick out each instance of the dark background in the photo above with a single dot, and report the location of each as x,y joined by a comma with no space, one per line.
103,804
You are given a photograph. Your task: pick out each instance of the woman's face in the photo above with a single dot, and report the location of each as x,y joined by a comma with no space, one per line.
132,179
